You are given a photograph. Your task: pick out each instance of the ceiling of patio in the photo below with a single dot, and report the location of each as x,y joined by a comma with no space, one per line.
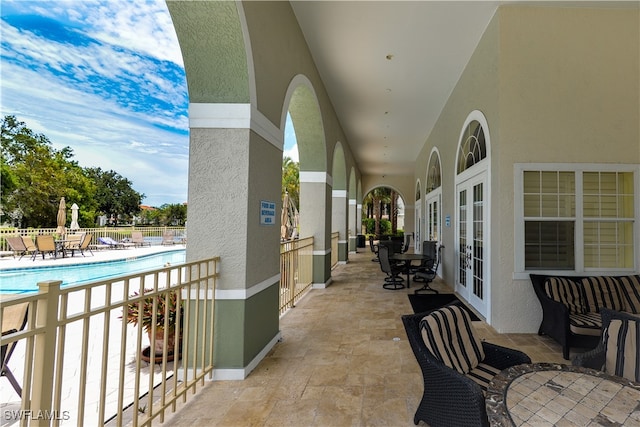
390,66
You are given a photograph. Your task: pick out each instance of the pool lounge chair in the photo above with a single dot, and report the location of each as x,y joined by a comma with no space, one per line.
167,238
14,319
138,239
17,246
72,243
28,242
45,245
114,244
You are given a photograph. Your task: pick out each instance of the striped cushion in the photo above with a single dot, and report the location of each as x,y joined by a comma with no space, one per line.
450,337
567,292
630,289
602,291
483,374
622,359
585,324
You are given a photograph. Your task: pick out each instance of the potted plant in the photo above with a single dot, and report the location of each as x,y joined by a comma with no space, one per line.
145,305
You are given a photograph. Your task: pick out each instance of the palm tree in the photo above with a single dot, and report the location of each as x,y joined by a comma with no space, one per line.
291,180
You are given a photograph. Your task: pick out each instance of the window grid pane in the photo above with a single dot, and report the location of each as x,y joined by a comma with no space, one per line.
606,217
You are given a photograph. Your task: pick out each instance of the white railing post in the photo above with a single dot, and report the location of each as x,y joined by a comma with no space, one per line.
44,351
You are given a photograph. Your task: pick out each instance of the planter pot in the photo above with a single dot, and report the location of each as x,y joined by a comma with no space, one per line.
159,346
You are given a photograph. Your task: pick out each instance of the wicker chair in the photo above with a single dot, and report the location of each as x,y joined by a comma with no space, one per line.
451,398
624,357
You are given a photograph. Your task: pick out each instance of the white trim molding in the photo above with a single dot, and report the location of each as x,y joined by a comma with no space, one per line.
242,294
219,116
339,193
316,177
242,373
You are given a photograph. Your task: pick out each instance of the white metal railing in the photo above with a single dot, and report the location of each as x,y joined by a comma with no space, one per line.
334,248
296,271
83,364
116,233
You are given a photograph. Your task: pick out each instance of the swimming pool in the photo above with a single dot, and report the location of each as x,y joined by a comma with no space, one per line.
19,280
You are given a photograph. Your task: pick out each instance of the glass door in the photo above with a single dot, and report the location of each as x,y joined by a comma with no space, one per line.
471,253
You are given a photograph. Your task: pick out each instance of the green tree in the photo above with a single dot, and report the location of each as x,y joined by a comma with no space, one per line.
115,195
173,214
291,180
375,201
35,176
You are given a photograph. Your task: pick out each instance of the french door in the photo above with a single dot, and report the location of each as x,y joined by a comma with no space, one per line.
472,241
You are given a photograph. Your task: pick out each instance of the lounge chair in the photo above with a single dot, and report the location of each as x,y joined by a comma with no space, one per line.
45,245
72,243
28,242
17,246
85,244
114,244
138,239
167,238
14,319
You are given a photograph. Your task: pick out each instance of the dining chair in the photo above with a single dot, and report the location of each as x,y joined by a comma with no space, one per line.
393,280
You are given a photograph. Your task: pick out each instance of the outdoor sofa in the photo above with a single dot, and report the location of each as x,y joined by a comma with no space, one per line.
571,305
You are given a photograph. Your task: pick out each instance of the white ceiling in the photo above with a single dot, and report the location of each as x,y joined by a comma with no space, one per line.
390,66
387,107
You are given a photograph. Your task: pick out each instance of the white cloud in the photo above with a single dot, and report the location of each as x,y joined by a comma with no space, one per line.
112,127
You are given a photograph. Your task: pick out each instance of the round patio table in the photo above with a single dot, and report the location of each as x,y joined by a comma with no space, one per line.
557,394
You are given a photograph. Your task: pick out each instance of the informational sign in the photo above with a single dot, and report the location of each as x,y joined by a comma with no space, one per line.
447,221
267,213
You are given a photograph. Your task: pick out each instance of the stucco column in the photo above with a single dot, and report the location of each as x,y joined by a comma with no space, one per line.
231,172
315,220
339,222
353,229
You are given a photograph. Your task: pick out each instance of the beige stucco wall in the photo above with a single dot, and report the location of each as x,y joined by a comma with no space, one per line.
555,85
569,92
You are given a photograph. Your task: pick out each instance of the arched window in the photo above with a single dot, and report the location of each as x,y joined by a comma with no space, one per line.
473,147
433,175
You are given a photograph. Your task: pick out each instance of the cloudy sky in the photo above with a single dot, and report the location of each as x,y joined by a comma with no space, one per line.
105,78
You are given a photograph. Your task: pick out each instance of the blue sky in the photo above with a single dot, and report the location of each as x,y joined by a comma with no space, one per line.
105,78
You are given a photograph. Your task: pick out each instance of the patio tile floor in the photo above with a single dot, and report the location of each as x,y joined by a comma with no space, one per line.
343,360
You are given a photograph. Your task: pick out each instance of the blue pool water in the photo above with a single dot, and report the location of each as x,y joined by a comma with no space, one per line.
18,280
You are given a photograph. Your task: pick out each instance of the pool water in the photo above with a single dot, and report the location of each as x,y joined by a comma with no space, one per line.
18,280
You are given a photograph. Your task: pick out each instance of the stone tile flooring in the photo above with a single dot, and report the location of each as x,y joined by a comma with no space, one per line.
344,360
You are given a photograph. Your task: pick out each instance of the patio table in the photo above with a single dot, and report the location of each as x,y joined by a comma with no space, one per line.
406,258
559,394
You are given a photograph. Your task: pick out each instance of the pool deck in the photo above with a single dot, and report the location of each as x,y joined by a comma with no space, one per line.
7,262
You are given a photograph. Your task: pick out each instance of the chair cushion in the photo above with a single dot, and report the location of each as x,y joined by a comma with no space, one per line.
567,292
621,342
585,324
449,335
630,289
602,291
483,374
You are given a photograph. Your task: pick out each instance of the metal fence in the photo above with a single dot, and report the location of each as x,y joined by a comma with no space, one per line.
296,271
83,364
151,234
334,248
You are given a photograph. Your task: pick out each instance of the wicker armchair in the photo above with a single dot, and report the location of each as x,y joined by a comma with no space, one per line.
451,398
624,357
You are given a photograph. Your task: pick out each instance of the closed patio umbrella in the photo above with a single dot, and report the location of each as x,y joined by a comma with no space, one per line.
74,217
62,217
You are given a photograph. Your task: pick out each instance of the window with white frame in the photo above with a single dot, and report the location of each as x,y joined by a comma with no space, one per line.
576,218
